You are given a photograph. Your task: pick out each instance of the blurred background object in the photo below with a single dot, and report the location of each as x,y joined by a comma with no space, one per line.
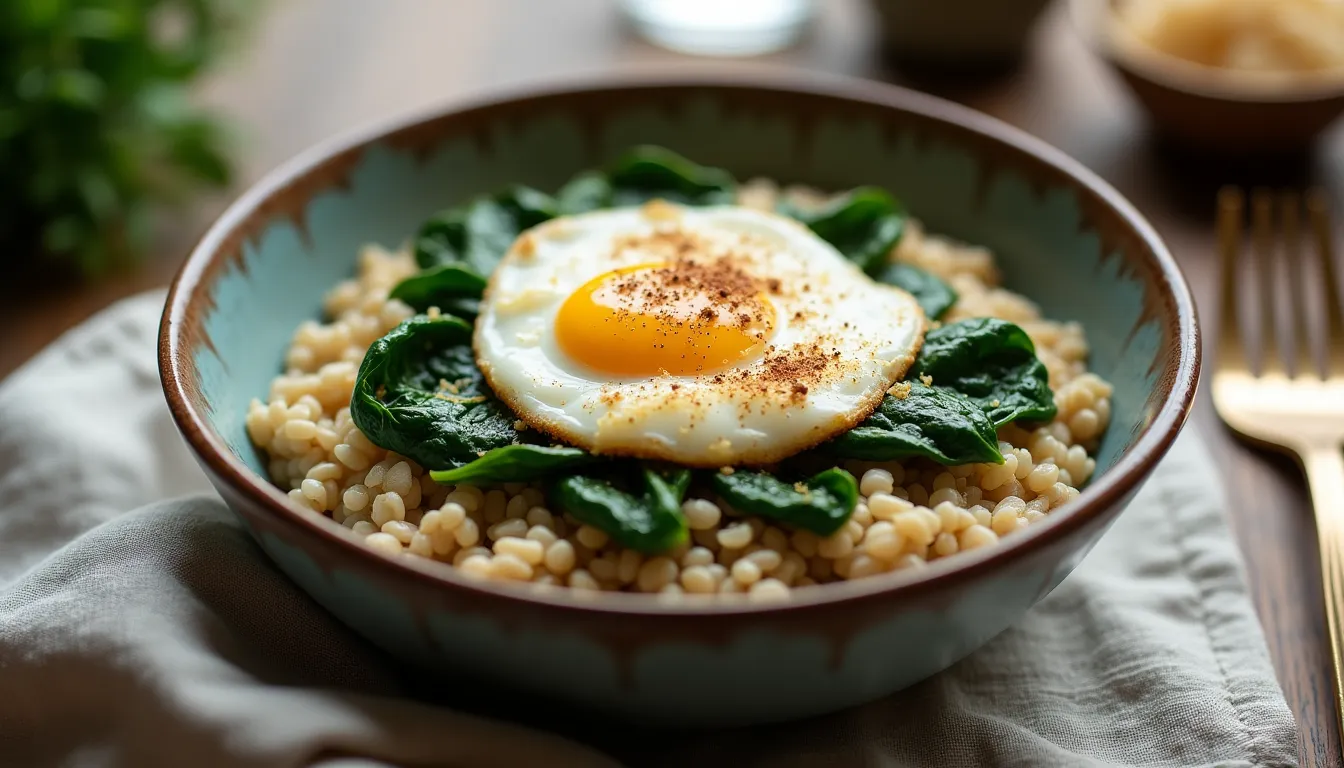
96,126
959,34
1275,37
719,27
1238,76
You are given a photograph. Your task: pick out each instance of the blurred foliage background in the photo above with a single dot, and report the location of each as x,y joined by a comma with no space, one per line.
97,133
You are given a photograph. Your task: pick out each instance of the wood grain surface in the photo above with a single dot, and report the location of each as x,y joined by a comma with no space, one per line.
314,68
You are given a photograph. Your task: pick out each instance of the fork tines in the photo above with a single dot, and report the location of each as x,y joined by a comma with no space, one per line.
1310,289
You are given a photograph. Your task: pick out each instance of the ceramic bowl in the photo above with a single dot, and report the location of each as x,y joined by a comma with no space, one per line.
1063,236
1211,108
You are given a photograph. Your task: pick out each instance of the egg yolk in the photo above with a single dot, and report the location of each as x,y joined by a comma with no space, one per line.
682,319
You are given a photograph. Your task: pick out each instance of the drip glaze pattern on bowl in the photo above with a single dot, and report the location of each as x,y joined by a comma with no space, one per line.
1063,237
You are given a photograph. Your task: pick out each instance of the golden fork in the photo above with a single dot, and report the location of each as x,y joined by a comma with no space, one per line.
1297,410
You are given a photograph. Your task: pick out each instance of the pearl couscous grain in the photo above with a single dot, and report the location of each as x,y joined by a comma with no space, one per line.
909,513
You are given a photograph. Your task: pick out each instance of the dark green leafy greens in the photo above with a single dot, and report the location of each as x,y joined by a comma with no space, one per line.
473,238
515,464
649,522
477,235
931,422
934,296
399,402
984,374
588,191
452,288
419,392
462,433
821,504
646,173
865,225
993,363
459,430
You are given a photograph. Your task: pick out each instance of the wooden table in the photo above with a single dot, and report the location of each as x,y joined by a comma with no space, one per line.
318,67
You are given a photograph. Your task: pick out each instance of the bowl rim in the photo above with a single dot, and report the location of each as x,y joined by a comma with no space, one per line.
1138,59
1102,494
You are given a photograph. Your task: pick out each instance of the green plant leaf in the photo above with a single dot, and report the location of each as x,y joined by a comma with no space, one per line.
650,522
477,235
931,422
85,160
77,88
453,288
194,145
97,23
400,402
516,464
933,295
98,193
821,504
65,233
646,173
31,85
864,224
588,191
993,363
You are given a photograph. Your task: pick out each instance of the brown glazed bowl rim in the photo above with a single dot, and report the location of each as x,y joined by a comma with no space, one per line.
1194,79
189,288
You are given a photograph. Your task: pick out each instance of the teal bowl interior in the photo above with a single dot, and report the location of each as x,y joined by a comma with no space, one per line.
1062,238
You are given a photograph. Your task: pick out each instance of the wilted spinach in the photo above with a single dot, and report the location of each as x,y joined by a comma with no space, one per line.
992,362
865,225
400,402
419,392
649,522
588,191
515,464
643,174
821,504
933,295
477,235
935,423
452,288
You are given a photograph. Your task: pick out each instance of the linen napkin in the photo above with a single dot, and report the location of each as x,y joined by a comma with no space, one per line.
141,627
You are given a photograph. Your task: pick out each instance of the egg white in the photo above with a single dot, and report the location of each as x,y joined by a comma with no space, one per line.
857,337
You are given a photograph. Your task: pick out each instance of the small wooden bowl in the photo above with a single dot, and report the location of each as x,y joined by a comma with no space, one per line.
1208,107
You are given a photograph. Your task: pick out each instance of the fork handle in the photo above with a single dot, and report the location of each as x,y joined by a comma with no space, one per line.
1324,467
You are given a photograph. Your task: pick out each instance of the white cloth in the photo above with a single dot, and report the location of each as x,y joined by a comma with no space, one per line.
161,636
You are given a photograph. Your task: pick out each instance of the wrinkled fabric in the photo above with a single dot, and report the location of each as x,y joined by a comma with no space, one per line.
140,626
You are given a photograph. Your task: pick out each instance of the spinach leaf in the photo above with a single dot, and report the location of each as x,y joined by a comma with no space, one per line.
992,362
864,224
933,295
515,464
820,504
477,234
451,287
647,172
586,192
399,402
650,522
643,174
935,423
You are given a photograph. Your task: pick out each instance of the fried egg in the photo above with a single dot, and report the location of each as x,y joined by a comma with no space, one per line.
703,336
